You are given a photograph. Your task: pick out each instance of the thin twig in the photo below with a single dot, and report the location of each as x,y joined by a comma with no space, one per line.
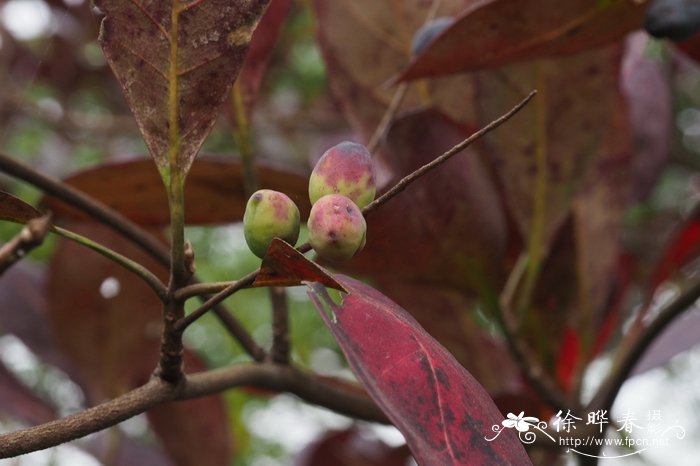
632,350
404,182
269,376
280,325
388,116
529,364
243,282
201,289
30,237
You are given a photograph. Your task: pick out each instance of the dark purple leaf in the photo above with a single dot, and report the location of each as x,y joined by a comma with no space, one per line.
442,411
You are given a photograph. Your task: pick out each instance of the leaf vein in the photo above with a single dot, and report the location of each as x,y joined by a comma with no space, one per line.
439,399
148,15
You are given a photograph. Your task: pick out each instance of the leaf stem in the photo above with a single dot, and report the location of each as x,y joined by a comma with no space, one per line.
170,363
536,239
242,138
130,265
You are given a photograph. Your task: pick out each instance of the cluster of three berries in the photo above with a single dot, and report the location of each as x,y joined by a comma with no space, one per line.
342,183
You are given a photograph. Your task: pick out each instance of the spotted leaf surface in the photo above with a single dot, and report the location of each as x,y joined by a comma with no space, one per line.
443,412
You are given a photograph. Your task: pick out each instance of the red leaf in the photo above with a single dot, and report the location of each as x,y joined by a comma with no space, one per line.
285,266
691,47
491,33
214,191
442,411
569,354
105,319
260,51
683,248
176,62
448,315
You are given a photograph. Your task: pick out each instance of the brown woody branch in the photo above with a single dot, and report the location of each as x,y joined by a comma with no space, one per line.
31,236
280,325
157,391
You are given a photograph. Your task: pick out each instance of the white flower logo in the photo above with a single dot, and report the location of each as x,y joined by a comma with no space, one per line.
521,422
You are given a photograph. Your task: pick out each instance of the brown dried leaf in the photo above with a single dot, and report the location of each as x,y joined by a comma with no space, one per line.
104,318
574,111
176,61
493,33
16,210
381,35
214,192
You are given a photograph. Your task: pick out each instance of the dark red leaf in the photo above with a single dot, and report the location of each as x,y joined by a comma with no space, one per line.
105,318
176,62
691,47
442,411
683,248
491,33
260,51
16,210
350,448
448,315
214,192
285,266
